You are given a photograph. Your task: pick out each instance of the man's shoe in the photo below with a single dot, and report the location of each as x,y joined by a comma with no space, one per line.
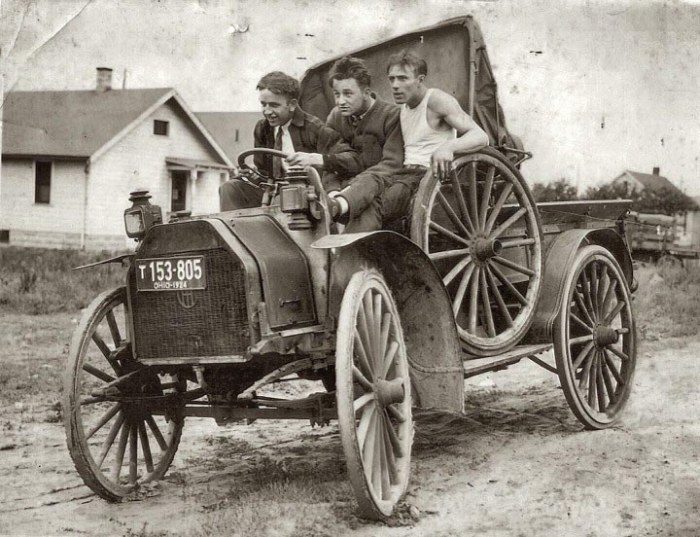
335,209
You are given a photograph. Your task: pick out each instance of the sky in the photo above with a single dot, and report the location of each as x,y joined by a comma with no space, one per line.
591,87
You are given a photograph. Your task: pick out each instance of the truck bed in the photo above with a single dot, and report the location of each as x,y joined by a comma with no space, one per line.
572,212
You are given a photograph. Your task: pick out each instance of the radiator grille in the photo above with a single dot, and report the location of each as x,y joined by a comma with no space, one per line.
216,325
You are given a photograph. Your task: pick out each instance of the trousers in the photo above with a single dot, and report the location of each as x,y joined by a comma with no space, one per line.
236,194
397,196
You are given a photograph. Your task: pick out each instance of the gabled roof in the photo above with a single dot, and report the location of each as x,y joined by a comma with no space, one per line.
70,123
223,127
81,124
651,181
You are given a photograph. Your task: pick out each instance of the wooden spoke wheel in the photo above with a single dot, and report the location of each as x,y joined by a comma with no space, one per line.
481,229
595,340
373,393
123,422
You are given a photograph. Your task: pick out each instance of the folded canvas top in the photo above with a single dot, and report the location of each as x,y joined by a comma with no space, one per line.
457,63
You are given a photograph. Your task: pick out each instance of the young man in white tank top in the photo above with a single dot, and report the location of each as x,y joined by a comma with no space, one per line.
434,128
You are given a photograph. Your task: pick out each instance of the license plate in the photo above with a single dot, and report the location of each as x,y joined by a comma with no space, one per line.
171,274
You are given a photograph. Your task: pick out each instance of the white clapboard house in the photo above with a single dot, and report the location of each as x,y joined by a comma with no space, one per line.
70,159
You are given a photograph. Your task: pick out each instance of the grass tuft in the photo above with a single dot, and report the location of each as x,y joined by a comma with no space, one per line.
302,507
667,303
145,532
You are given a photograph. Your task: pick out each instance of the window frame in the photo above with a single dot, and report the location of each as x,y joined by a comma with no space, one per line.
161,122
38,201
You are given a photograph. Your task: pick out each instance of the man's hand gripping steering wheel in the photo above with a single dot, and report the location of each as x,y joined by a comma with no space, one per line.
247,172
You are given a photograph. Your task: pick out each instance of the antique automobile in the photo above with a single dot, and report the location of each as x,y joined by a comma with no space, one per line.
215,308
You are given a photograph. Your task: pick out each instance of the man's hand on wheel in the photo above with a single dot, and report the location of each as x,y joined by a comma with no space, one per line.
305,159
250,176
441,162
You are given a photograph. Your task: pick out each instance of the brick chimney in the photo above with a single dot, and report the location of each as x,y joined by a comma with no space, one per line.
655,171
104,79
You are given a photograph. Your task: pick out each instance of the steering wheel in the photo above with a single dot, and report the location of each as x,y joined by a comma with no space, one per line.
314,178
263,150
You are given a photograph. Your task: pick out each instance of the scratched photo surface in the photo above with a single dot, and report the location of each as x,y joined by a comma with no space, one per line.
596,90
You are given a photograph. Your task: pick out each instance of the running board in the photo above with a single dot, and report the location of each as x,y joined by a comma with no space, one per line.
476,366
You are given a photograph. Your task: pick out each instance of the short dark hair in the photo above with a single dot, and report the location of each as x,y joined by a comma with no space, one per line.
349,67
408,58
280,83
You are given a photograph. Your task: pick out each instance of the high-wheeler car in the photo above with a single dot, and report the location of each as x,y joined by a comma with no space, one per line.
214,308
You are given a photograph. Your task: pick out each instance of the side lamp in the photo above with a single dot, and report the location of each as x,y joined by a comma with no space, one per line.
141,216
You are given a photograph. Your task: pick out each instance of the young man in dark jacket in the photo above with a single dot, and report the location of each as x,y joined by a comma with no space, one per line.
372,128
288,128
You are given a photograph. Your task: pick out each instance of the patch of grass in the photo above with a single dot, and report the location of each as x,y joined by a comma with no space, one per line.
268,477
280,518
286,496
54,414
34,349
145,532
227,446
667,303
303,506
40,280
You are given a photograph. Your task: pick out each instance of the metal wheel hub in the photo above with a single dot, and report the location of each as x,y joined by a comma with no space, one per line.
604,335
389,392
484,248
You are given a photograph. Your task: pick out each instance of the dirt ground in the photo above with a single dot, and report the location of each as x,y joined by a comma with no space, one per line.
517,464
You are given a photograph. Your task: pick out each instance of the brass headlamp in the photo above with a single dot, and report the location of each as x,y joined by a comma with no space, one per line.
141,216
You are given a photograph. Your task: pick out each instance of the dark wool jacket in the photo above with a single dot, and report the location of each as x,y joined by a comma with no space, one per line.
309,135
377,137
378,140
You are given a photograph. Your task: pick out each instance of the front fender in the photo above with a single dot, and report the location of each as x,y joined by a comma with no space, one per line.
117,259
425,309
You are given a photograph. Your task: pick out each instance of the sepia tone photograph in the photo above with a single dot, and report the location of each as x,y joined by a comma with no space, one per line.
369,268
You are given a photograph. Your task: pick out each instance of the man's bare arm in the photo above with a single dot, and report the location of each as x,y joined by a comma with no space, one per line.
470,136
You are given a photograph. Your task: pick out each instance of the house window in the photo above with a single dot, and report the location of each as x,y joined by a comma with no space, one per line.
178,198
42,182
4,236
160,127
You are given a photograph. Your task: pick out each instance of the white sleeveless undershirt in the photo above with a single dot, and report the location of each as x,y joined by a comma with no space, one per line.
420,140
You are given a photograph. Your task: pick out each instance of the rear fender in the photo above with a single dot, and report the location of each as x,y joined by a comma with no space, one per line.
559,261
429,329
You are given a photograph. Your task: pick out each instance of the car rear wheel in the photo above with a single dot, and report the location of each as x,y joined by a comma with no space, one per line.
480,227
595,342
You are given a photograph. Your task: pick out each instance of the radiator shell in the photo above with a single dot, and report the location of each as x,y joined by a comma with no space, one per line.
211,322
